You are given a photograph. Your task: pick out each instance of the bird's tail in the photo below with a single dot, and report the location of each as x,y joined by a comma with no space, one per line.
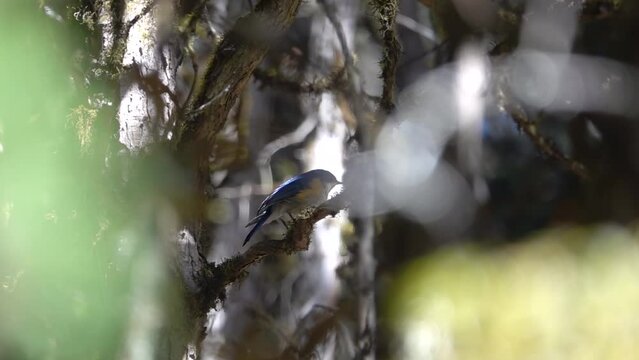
258,221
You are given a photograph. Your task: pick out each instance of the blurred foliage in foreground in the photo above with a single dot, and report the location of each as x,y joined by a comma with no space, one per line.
563,294
64,279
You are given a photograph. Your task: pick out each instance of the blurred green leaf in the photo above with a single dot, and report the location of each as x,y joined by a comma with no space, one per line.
564,294
63,293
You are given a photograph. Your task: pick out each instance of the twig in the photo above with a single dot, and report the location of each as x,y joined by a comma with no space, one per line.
208,103
386,12
352,88
330,14
546,146
330,82
507,103
296,136
414,26
432,51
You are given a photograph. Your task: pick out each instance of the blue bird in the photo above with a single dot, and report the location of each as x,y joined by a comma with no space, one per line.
301,192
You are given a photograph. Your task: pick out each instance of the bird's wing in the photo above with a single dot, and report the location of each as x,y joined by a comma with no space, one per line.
284,192
259,221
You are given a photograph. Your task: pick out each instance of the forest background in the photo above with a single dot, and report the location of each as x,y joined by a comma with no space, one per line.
487,148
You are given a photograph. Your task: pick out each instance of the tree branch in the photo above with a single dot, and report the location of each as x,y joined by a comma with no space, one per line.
235,59
297,239
328,83
218,90
546,146
386,12
330,14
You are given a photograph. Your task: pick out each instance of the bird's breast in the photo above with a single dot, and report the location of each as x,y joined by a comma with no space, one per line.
313,195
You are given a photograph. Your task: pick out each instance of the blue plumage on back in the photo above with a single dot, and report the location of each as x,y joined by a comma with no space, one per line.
298,192
285,191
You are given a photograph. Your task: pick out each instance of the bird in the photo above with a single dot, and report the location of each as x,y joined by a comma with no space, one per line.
295,195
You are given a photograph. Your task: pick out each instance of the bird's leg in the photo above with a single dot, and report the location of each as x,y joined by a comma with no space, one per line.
284,223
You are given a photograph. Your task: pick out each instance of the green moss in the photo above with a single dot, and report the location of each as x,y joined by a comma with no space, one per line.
82,119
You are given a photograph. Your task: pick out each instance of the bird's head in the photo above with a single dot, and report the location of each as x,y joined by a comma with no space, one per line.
326,177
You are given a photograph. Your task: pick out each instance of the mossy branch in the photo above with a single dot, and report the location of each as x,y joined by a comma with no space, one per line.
546,146
213,282
385,12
